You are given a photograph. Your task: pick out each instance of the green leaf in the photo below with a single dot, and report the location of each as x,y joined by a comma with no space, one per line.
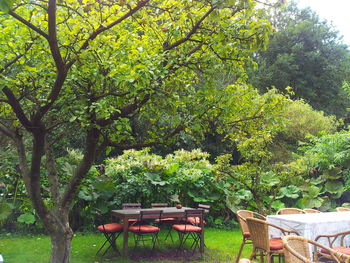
27,218
6,5
290,191
277,205
335,187
5,210
313,191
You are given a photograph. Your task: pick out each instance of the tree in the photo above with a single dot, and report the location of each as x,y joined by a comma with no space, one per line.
120,73
308,55
302,123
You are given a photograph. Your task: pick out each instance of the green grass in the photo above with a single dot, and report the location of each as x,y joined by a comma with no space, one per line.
222,246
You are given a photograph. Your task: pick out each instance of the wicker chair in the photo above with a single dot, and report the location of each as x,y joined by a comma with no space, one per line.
342,209
311,211
242,215
245,260
286,211
331,241
297,250
262,244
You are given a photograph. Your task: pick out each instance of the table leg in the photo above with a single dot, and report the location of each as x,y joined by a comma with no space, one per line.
125,237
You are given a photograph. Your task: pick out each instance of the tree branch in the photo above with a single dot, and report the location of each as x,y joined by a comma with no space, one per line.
83,168
51,171
28,24
7,131
52,38
102,28
16,107
192,32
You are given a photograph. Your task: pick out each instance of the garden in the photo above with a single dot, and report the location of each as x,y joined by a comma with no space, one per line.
231,104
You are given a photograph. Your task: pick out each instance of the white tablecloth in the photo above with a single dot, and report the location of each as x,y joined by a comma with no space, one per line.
311,225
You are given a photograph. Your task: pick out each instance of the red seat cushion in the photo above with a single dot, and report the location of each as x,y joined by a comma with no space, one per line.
344,250
187,228
144,229
276,244
112,227
194,220
246,234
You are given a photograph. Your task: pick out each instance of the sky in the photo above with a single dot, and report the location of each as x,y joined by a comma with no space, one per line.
335,11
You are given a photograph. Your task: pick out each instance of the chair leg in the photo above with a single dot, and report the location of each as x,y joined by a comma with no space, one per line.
169,235
240,250
111,240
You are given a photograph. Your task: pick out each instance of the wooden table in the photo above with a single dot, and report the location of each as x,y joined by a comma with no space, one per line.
127,214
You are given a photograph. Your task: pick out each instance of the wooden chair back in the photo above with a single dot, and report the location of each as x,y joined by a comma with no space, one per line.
311,211
297,250
131,206
155,205
286,211
259,233
342,209
242,215
206,208
150,214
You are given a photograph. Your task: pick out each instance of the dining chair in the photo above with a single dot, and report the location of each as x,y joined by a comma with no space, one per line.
342,209
335,241
167,221
195,220
111,232
292,210
141,231
263,245
189,231
297,250
131,206
242,215
128,206
311,211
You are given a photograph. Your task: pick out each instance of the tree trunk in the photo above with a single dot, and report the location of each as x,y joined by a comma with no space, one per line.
61,245
61,234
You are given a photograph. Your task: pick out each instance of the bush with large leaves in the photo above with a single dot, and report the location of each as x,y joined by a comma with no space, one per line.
328,159
185,177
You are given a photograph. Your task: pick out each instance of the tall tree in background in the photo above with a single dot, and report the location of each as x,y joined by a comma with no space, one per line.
121,74
307,54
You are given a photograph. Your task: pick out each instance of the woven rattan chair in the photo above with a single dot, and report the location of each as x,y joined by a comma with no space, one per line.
263,246
311,211
286,211
297,250
242,215
334,241
245,260
342,209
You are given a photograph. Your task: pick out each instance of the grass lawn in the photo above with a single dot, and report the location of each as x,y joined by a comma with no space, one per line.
222,246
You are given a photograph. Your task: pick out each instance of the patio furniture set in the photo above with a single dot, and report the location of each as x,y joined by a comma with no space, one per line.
296,235
146,223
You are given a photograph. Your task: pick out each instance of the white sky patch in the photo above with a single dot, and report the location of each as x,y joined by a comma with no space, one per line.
336,12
